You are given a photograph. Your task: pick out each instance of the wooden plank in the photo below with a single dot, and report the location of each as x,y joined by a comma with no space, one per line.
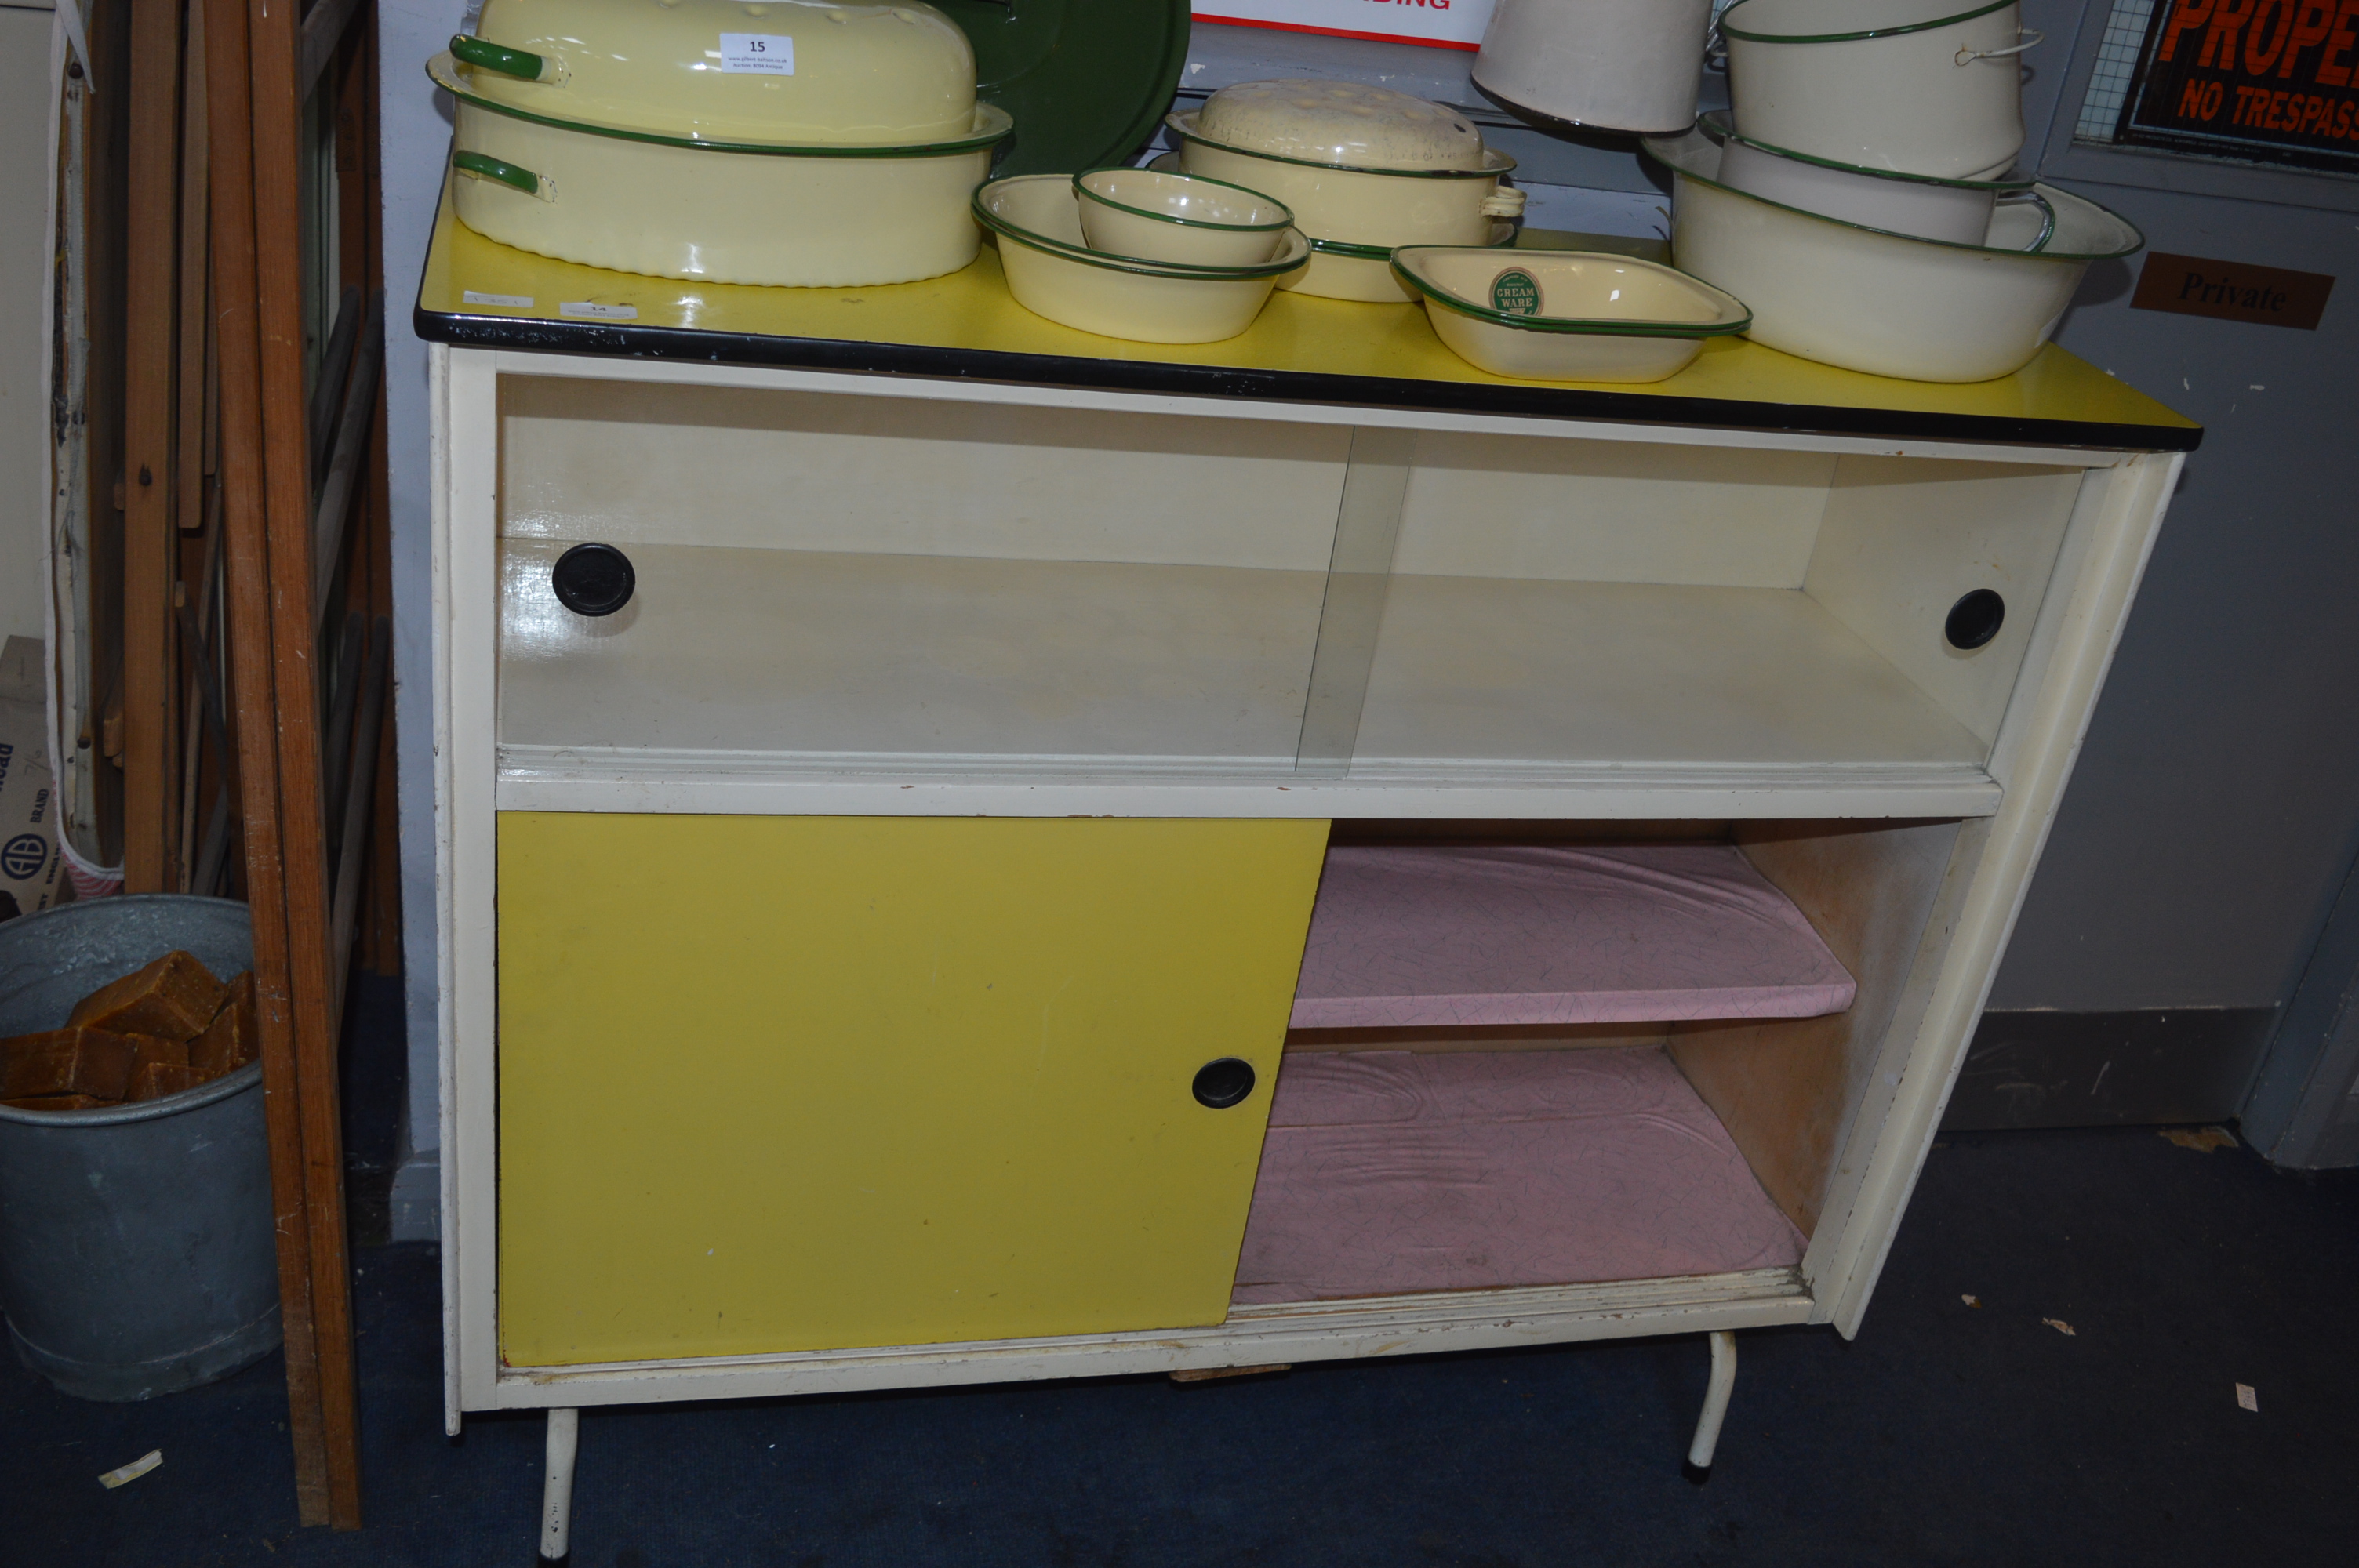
246,544
362,250
355,426
190,449
360,799
277,131
150,817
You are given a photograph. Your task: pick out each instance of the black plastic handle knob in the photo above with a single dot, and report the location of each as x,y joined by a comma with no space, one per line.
594,580
1222,1084
1974,619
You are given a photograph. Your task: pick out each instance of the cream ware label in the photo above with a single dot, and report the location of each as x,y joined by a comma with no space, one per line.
758,54
507,302
1515,292
597,312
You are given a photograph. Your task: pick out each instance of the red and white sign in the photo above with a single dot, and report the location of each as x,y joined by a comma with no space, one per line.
1443,24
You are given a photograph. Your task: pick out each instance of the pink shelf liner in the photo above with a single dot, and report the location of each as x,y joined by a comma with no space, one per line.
1388,1173
1644,933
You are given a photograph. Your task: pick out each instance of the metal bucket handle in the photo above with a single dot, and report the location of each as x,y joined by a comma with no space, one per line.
2033,38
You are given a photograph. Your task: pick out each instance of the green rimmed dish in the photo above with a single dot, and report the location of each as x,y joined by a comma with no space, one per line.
1566,315
1187,218
1052,273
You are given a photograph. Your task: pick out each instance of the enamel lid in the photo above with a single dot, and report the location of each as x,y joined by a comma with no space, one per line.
1340,123
729,71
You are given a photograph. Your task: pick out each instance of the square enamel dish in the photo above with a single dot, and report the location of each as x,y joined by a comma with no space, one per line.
1156,215
1566,315
1884,303
1053,272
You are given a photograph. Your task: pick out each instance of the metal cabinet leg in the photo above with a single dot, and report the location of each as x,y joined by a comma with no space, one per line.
557,1486
1697,1468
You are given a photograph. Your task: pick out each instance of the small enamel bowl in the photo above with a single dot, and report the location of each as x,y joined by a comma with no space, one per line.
1052,273
1183,217
1566,315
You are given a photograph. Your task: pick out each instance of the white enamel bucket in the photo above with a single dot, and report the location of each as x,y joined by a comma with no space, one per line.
1919,86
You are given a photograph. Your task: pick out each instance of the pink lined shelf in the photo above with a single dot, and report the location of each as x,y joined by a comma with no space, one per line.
1390,1173
1415,936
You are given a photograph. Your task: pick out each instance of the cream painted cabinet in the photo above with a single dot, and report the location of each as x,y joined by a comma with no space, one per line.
841,906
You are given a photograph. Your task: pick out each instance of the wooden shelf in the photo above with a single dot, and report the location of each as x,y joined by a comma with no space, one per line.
1442,937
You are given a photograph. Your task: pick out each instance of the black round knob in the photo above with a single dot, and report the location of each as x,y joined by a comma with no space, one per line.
1974,619
1222,1084
594,580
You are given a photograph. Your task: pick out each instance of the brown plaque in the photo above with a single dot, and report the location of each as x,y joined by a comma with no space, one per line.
2233,291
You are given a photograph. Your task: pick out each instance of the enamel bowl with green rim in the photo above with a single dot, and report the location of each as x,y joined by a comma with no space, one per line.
1917,86
1958,211
1346,269
1053,272
1161,216
1566,315
1885,302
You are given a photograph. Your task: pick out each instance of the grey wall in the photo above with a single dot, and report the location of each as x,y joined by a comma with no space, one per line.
415,132
2215,805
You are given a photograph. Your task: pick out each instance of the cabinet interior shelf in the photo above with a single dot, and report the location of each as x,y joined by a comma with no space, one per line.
1423,936
1393,1172
842,665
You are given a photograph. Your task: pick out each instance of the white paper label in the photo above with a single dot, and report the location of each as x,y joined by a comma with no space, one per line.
509,302
760,54
598,312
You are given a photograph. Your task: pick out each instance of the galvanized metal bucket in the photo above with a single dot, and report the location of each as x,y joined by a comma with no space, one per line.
136,1253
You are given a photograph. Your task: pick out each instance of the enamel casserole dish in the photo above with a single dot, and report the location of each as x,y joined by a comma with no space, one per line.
1363,169
735,141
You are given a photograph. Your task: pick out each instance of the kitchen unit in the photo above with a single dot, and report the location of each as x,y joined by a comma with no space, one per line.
888,746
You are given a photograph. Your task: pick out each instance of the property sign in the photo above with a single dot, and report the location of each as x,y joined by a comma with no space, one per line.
1442,24
2268,80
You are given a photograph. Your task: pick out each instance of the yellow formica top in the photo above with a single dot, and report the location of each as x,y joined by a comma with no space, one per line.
476,291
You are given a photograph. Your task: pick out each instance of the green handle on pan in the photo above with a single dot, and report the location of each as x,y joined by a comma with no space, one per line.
498,57
484,168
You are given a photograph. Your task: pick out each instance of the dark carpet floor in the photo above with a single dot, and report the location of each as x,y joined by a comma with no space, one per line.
1946,1433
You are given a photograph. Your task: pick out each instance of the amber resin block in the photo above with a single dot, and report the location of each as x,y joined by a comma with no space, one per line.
228,1042
66,1061
175,997
154,1080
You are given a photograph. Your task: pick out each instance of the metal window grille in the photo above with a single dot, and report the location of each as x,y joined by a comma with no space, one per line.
2116,69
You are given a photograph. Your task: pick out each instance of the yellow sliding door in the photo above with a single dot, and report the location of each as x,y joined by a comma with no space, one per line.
780,1083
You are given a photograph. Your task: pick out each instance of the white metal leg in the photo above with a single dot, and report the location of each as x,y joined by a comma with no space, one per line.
1715,1408
557,1486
